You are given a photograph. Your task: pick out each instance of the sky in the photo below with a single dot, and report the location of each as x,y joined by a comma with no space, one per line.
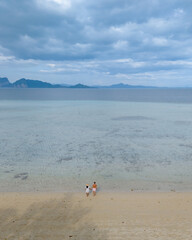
102,42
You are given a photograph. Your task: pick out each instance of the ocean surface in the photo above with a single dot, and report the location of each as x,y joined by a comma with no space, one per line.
124,139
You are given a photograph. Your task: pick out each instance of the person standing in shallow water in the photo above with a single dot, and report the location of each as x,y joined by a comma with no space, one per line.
94,188
87,189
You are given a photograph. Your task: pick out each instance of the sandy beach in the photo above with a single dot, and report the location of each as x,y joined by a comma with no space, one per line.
111,216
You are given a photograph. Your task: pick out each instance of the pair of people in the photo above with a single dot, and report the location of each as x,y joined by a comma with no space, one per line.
94,189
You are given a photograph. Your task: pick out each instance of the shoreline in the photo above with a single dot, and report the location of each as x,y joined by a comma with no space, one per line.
131,191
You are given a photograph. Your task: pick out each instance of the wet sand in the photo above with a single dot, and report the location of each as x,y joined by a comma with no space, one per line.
132,215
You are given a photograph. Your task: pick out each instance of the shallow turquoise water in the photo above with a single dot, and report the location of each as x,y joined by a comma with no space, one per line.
63,145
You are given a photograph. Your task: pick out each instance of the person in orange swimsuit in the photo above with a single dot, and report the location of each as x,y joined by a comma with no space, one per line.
94,188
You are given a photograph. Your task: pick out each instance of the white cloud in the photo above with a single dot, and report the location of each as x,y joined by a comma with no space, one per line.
82,46
174,63
131,62
59,70
54,5
27,41
52,65
6,58
160,41
121,75
179,12
126,30
121,45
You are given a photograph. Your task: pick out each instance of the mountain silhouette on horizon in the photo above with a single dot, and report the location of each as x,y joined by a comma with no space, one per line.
28,83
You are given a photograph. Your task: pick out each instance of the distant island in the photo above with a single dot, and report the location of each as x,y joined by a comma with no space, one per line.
28,83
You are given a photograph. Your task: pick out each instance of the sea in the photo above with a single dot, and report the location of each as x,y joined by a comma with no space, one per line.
59,140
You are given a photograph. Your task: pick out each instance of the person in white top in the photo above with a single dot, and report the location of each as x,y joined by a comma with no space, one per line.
87,190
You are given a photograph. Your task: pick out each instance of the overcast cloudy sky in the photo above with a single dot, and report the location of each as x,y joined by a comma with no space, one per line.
97,42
